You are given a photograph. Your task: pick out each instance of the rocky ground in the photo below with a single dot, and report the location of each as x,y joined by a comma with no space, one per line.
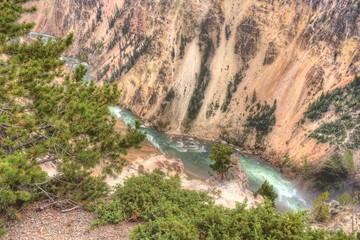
51,224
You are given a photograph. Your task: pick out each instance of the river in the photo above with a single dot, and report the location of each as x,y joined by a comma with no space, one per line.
195,153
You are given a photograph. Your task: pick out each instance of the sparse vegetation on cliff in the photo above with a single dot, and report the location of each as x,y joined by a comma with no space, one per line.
202,78
232,88
335,169
342,132
346,105
262,121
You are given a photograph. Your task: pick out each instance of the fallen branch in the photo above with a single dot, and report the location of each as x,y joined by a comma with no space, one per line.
49,159
46,193
70,209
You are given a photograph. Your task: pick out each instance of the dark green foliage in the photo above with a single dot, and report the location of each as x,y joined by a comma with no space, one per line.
125,28
143,46
321,209
354,141
262,121
78,185
102,73
254,97
183,43
80,72
112,20
333,132
115,40
174,213
46,120
196,100
332,172
231,89
99,13
149,197
227,32
17,177
170,95
267,191
83,55
174,227
172,54
345,102
318,108
211,109
220,155
9,26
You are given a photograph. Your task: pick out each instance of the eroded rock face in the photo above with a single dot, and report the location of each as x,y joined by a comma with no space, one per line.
315,79
290,51
247,39
271,54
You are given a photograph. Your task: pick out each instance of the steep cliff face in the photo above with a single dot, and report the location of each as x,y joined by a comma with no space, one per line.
244,70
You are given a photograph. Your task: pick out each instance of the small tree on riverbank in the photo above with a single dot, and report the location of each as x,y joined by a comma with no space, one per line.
267,190
321,209
221,156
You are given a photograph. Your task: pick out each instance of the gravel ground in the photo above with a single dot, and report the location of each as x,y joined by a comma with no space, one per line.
51,224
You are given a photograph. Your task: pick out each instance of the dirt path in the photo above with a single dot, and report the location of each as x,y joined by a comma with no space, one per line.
53,225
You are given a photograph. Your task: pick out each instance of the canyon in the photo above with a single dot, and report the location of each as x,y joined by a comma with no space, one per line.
242,71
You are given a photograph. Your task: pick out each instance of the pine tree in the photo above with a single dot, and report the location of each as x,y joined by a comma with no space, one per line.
47,115
267,190
221,156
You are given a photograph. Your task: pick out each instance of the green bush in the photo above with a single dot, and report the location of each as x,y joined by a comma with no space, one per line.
321,209
17,179
174,227
171,212
267,191
345,199
145,196
79,185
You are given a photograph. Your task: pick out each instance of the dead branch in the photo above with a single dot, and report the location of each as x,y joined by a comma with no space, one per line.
70,209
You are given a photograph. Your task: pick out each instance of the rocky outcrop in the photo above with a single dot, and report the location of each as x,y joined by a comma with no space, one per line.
346,218
235,173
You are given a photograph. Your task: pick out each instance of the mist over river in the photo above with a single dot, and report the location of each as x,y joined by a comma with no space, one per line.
195,153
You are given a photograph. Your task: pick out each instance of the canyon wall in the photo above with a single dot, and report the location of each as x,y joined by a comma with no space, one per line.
241,70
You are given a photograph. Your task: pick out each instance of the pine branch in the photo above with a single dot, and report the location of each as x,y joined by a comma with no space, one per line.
6,107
